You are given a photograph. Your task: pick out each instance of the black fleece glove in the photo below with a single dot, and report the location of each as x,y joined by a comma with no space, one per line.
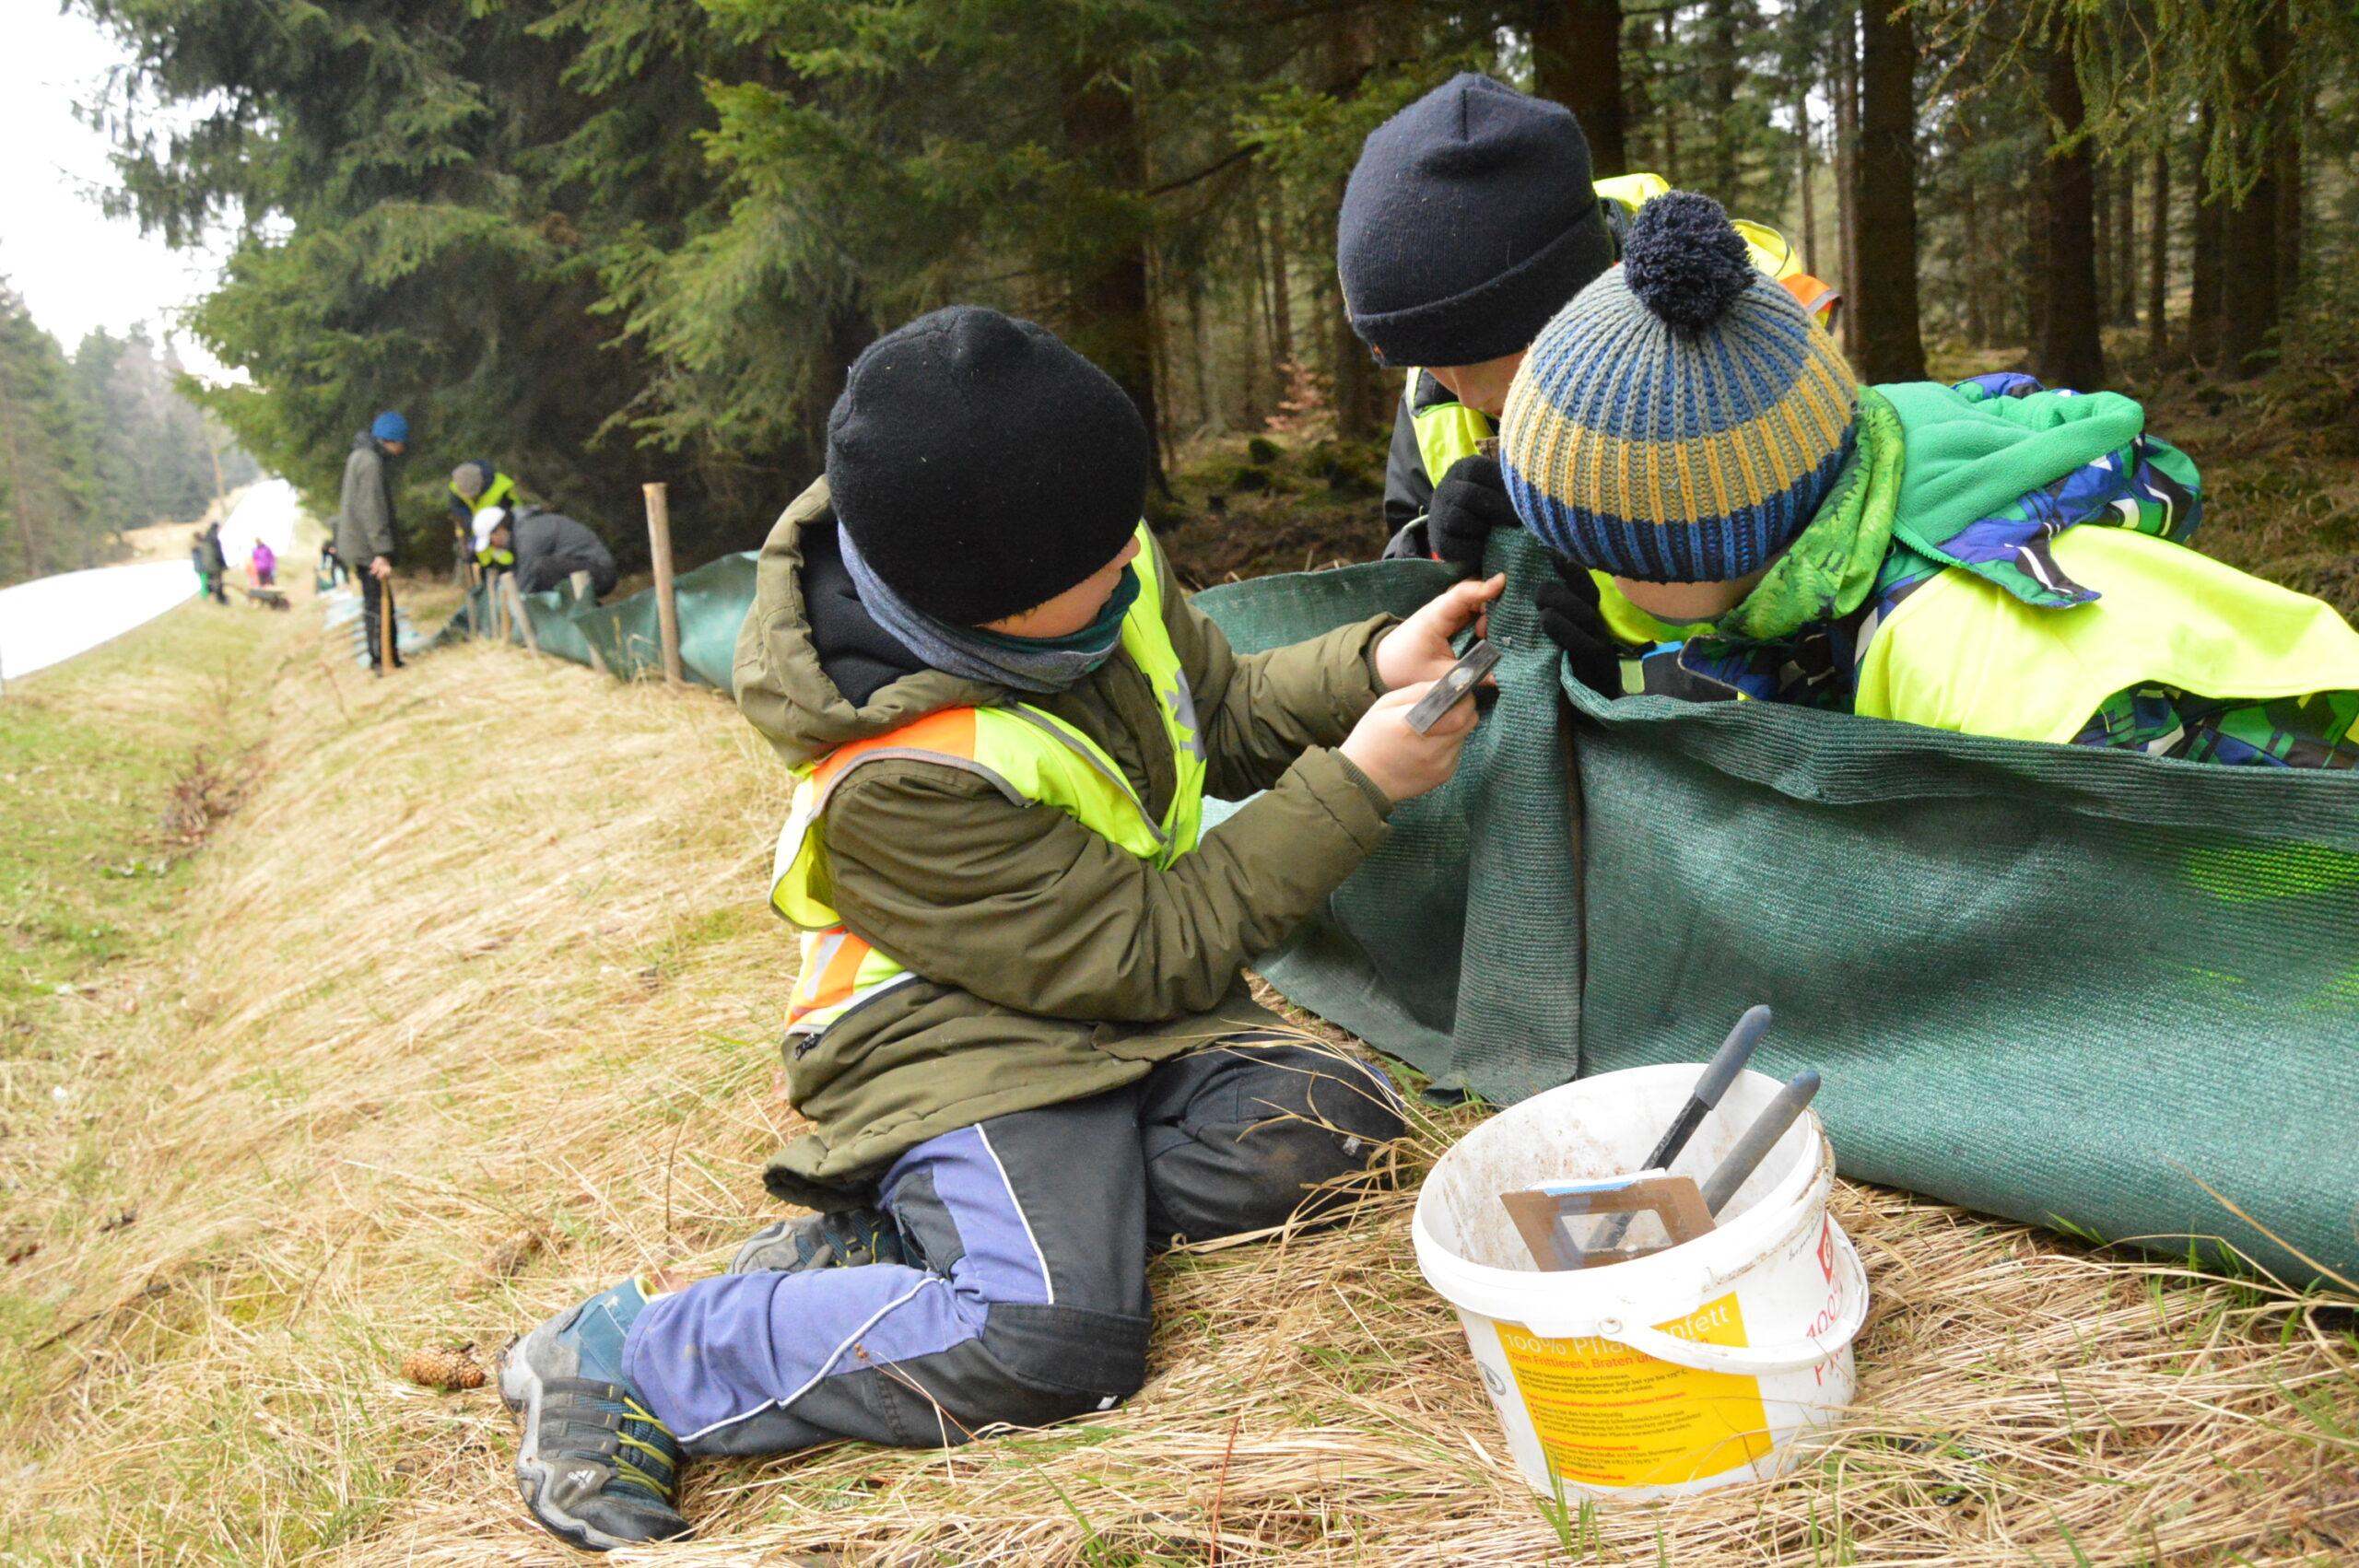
1569,616
1470,500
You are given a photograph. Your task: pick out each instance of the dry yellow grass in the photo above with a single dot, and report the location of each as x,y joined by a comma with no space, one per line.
470,1011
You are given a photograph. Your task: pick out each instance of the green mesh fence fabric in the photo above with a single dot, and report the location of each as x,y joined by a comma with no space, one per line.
711,600
2074,988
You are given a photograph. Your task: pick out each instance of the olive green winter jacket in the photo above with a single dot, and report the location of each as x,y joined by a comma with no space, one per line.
1056,964
364,522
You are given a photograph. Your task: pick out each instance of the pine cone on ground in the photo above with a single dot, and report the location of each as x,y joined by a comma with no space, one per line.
449,1370
500,1263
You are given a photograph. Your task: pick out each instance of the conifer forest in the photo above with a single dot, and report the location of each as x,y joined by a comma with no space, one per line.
601,241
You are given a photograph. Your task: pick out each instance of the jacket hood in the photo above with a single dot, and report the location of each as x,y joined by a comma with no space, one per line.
813,669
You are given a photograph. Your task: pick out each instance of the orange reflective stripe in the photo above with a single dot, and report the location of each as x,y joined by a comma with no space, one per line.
951,730
1816,295
832,980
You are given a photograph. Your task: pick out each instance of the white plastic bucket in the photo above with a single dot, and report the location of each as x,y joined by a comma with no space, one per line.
1695,1367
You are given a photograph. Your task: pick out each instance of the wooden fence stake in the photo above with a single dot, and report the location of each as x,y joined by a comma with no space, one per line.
659,549
385,622
516,611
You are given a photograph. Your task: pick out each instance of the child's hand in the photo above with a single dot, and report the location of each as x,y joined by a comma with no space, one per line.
1418,648
1397,759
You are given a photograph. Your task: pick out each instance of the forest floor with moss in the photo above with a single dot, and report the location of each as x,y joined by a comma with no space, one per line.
461,1004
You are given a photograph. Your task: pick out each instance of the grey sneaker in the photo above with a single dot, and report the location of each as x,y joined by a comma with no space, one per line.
595,1466
845,1239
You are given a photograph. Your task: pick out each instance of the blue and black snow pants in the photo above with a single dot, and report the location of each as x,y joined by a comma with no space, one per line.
1025,1300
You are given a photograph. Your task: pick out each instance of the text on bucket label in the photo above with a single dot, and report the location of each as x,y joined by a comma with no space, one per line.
1607,1415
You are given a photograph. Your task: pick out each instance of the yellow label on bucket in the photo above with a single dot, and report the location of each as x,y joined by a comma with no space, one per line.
1608,1415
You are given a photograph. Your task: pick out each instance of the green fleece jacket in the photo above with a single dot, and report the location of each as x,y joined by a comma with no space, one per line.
1056,964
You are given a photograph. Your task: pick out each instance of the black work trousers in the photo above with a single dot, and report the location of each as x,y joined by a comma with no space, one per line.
1025,1298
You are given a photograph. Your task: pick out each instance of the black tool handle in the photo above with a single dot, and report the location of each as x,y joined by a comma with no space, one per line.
1759,1139
1710,1084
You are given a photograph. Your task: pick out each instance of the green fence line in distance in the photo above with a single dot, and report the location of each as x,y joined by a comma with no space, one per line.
713,601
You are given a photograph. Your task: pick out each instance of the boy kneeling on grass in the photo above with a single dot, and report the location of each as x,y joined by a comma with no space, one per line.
1018,1030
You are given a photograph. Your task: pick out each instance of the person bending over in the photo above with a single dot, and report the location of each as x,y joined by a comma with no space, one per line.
542,548
1988,558
1469,221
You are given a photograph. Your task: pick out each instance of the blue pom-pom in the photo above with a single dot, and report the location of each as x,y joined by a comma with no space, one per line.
1684,261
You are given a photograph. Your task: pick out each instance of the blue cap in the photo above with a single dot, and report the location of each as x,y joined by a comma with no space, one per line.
390,426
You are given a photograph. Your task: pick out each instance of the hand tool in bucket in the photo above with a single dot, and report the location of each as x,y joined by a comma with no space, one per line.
1541,1215
1710,1084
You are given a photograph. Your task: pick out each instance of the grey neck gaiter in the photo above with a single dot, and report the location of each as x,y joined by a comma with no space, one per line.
1039,668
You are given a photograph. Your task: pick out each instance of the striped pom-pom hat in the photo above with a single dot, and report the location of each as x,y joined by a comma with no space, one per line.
1682,420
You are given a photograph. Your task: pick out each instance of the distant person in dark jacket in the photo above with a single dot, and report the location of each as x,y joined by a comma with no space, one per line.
216,568
542,548
364,525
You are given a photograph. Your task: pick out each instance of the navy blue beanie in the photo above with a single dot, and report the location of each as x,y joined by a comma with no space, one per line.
982,467
1468,222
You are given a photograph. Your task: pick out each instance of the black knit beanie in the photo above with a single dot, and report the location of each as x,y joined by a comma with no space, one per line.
1468,222
981,466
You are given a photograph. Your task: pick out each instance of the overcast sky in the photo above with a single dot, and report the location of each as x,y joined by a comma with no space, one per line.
76,268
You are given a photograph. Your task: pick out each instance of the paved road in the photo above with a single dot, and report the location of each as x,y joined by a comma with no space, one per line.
53,618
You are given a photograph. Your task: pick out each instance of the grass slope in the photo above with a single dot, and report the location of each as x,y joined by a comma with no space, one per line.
107,764
468,1011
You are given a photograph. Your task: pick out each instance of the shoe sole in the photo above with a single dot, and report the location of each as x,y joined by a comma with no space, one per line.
520,1390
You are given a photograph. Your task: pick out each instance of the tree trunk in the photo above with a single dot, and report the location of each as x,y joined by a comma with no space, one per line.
1113,306
1261,356
1810,198
1891,348
1352,52
1669,107
1576,60
2101,207
1977,298
1720,87
851,329
1281,284
1209,419
2071,353
2291,203
2122,304
1638,126
2249,234
2159,255
2211,210
1845,93
1356,384
21,496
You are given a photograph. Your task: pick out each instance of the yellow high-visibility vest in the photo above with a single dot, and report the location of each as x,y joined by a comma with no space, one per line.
1033,757
1959,653
1772,252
